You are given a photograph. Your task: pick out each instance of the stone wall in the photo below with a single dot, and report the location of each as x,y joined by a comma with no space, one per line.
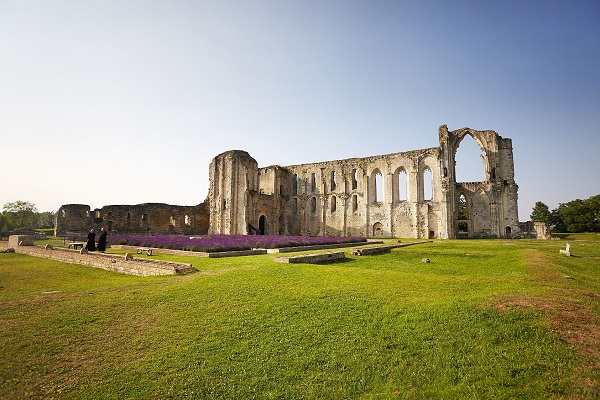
141,218
339,198
109,262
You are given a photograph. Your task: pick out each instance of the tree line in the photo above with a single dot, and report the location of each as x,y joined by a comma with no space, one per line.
574,216
24,215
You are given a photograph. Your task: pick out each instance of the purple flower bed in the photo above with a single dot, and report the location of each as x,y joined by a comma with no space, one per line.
214,243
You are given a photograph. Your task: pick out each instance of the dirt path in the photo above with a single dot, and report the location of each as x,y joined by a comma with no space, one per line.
568,314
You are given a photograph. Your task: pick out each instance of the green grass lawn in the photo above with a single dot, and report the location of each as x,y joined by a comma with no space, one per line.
484,320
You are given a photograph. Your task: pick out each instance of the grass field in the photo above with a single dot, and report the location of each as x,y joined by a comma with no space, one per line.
487,319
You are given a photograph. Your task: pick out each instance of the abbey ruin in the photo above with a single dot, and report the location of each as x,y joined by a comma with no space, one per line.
381,195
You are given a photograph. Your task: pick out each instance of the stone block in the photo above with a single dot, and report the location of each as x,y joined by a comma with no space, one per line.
313,258
20,240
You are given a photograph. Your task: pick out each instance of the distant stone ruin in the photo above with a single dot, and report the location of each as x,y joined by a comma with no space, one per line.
343,197
375,196
140,218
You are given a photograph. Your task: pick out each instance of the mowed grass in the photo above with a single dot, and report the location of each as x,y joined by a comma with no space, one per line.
375,327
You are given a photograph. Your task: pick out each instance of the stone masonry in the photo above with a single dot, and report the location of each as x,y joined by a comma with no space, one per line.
339,198
140,218
375,196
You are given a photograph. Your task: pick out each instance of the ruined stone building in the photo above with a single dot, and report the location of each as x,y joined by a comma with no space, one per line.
383,195
140,218
380,195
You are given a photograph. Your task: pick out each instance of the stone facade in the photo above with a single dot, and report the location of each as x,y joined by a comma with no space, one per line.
339,198
140,218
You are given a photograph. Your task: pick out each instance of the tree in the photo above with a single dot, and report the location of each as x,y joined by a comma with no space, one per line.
540,213
21,214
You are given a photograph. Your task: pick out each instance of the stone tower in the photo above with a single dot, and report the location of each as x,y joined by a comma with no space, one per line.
233,185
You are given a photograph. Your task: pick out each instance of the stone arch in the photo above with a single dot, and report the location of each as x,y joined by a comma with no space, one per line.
377,229
481,139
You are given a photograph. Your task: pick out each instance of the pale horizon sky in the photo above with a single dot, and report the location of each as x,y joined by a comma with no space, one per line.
107,102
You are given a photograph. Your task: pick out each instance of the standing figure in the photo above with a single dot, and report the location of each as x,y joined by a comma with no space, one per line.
102,240
90,245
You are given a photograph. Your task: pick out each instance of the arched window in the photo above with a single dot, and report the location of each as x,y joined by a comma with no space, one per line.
313,182
354,203
313,205
332,183
469,158
63,213
427,184
172,220
187,220
333,204
401,185
376,183
354,180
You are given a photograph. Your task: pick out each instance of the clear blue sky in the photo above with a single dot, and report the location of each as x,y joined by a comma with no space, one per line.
127,102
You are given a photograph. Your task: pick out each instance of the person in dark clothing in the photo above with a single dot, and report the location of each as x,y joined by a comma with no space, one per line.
102,241
90,245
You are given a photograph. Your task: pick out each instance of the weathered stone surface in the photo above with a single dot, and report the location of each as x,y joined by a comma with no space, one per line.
541,231
20,240
337,198
77,219
236,253
313,258
566,251
111,262
319,247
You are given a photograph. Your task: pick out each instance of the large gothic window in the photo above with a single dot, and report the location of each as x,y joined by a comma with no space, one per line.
400,185
470,161
376,186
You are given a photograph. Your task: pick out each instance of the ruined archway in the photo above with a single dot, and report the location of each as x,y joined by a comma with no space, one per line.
470,160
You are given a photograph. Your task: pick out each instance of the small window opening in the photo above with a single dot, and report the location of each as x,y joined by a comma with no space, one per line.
295,184
427,184
354,180
354,203
313,182
313,205
187,220
333,184
333,204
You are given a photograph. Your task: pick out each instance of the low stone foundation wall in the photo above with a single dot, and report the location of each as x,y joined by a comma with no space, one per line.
369,251
236,253
109,262
313,258
321,247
